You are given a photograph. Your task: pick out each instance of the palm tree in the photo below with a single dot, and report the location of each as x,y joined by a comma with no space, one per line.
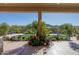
39,31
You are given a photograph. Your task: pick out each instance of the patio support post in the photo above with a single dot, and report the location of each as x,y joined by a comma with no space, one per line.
39,31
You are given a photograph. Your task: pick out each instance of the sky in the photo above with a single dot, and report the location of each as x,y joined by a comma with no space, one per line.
13,18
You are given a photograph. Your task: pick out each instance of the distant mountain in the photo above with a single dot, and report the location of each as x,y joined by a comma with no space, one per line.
51,26
56,26
48,25
76,26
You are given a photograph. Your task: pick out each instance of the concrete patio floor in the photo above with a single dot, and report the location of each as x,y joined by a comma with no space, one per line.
56,48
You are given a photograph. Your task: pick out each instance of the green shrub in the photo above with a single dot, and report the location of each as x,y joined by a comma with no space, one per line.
38,41
23,38
51,38
63,37
57,37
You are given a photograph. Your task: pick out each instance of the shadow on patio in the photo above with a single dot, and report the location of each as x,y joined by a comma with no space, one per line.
24,50
74,46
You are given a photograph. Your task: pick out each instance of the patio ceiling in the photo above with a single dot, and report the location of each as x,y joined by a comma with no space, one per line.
34,7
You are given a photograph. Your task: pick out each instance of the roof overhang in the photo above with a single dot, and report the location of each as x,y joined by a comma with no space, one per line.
44,7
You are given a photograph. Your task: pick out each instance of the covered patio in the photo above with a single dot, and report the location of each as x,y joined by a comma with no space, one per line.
39,8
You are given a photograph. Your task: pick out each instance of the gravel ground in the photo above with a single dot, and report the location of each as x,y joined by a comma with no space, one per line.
56,48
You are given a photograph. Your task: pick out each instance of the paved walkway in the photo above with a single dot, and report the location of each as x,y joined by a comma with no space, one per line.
56,48
64,48
13,48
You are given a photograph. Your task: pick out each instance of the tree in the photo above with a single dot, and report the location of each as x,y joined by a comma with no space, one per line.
15,29
76,30
35,27
4,28
66,29
32,28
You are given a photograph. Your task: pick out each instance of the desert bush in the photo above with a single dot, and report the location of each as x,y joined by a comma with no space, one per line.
24,38
78,36
14,38
57,37
51,38
63,37
17,38
6,38
38,41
